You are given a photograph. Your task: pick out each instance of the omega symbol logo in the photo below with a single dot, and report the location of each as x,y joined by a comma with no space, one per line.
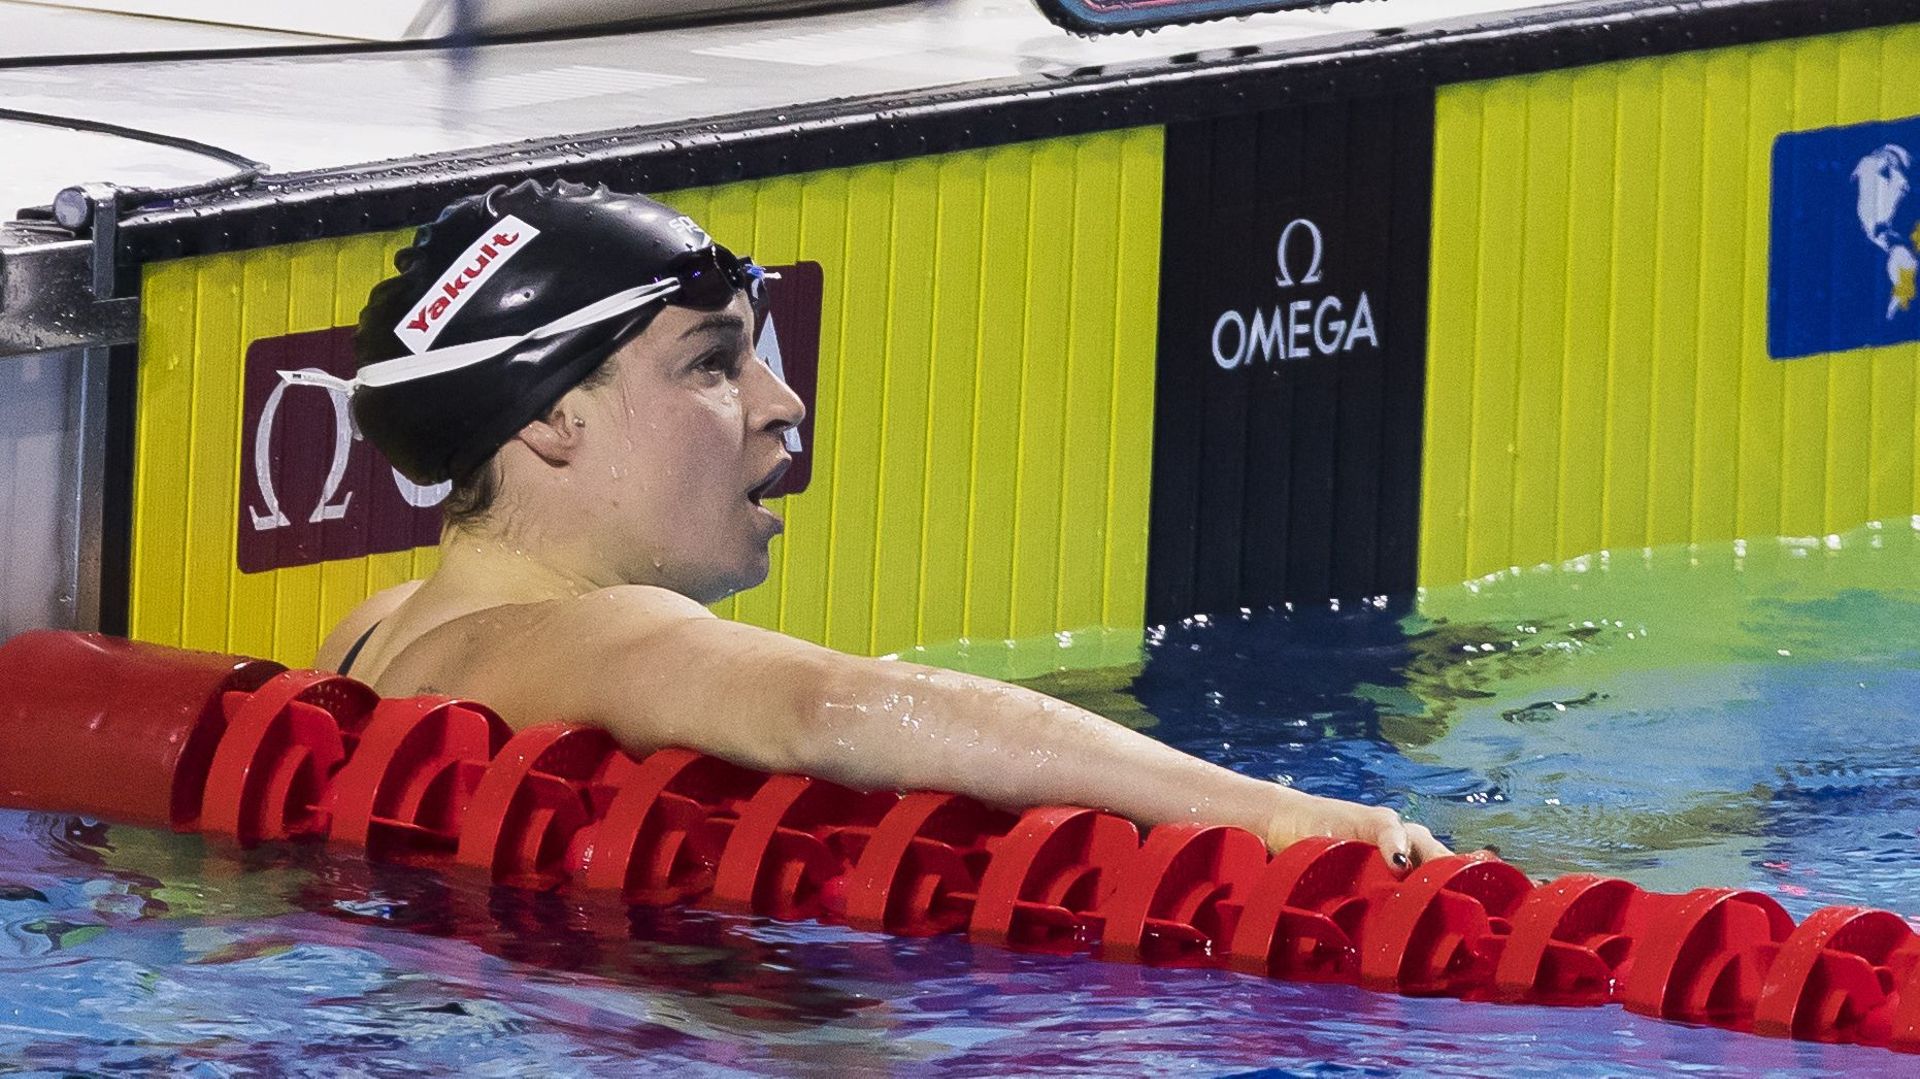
328,509
1285,277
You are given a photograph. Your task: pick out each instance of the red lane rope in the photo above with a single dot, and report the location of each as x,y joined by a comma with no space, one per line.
439,782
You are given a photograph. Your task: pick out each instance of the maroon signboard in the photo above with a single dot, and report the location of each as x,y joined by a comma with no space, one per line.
312,490
787,337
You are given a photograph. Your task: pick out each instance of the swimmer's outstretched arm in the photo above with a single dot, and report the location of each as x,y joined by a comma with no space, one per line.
658,669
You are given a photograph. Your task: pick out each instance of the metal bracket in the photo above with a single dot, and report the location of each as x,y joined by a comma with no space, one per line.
59,294
96,207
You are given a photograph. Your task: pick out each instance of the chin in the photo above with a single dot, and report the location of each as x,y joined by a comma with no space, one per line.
755,573
722,583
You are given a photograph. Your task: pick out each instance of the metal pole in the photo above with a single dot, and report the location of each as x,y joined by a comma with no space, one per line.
87,419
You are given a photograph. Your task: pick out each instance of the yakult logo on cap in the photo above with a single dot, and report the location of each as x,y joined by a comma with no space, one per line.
478,262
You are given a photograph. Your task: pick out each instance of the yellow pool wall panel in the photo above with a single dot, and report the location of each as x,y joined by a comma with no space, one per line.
1598,375
198,318
981,462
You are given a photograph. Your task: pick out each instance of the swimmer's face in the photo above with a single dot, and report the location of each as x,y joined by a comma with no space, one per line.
698,427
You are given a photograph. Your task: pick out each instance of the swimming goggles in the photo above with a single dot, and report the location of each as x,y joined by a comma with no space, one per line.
708,281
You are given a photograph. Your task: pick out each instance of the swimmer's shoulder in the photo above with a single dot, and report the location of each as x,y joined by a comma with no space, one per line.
514,652
628,606
536,639
369,613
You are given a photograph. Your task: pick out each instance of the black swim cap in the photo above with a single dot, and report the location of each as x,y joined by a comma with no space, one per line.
498,266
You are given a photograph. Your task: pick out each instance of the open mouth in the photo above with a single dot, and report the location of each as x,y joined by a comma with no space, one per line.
765,487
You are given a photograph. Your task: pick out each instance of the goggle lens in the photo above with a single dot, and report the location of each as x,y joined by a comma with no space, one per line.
711,278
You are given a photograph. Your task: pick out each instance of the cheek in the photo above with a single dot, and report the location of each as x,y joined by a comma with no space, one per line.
688,454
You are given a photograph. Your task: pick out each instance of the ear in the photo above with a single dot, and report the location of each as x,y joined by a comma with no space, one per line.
556,437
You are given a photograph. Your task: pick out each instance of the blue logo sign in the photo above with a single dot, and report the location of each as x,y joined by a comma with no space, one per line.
1846,240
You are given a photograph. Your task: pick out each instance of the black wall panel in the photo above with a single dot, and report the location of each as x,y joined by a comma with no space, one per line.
1292,355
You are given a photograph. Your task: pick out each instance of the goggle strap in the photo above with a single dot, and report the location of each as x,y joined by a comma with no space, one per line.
439,361
313,376
617,304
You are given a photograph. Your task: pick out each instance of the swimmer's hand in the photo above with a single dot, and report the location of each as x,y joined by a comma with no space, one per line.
1301,816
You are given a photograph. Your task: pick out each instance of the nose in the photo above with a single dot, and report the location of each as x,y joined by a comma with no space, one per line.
771,403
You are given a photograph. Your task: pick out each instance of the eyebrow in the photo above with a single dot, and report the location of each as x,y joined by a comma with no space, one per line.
723,321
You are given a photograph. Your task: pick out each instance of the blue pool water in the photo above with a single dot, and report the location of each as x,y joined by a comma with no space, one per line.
1687,717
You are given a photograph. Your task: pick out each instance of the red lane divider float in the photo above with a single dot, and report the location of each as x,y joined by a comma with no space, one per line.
531,810
1568,943
791,840
405,793
275,765
245,750
919,872
1044,885
662,833
1836,978
1440,932
103,726
1305,915
1183,891
1702,956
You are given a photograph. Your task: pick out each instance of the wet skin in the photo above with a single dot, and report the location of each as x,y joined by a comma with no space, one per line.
580,596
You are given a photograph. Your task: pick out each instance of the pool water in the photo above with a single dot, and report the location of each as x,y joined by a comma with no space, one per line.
1735,715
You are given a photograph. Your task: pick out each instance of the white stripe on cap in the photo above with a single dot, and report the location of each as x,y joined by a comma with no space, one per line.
439,361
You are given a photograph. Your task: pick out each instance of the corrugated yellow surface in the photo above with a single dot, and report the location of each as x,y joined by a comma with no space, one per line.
198,318
1598,373
985,405
986,391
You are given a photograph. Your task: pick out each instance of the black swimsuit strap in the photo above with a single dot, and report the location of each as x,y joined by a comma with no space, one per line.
346,661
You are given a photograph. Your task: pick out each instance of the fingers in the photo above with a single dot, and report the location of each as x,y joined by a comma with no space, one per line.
1391,835
1402,844
1425,847
1406,845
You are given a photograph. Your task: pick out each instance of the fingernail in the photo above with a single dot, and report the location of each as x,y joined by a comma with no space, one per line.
1399,860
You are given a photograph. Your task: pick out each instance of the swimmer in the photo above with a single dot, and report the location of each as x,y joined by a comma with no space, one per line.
580,364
